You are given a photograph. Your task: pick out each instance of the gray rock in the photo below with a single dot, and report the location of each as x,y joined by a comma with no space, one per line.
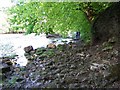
28,49
7,61
53,36
4,68
39,51
73,67
32,52
2,76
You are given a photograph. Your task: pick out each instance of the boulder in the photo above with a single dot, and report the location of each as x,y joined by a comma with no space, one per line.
39,51
28,49
51,46
107,24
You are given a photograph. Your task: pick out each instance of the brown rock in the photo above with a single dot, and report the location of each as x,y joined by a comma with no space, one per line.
28,49
51,46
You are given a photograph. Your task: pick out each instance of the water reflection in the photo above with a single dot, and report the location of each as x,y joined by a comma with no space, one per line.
14,44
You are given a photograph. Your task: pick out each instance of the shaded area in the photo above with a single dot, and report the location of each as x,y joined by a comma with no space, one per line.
107,24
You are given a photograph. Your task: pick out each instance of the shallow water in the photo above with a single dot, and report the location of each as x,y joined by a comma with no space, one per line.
11,44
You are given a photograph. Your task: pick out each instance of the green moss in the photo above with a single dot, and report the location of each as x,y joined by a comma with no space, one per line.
39,51
49,52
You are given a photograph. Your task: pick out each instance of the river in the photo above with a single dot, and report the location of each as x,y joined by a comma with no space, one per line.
13,44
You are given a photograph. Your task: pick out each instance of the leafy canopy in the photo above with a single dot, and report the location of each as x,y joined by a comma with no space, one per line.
55,17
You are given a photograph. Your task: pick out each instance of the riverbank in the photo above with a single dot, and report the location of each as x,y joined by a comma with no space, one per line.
69,66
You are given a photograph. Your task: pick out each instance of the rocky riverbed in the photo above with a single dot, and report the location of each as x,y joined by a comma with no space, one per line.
70,65
13,44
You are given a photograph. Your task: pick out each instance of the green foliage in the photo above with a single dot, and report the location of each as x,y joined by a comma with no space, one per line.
24,17
54,17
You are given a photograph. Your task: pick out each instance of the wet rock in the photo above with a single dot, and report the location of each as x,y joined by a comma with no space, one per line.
53,36
49,53
112,40
75,85
57,71
2,76
59,76
73,67
19,79
30,57
50,63
51,46
10,57
107,48
62,47
26,54
66,70
4,68
28,49
64,41
70,79
32,52
96,67
52,85
7,61
39,51
53,67
42,56
17,69
80,54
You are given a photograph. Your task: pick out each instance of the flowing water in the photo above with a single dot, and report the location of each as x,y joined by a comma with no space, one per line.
13,44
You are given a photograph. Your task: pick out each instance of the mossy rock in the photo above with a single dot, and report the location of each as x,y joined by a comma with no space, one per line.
2,77
49,52
30,57
26,54
107,46
39,51
42,56
61,47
